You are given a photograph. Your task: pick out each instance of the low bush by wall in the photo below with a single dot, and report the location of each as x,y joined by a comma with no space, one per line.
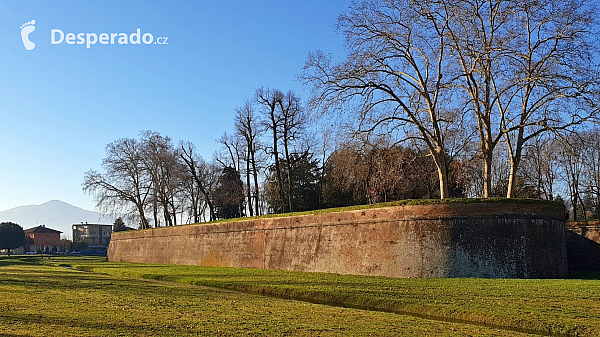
465,239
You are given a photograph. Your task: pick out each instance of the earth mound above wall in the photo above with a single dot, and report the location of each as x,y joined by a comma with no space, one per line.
457,239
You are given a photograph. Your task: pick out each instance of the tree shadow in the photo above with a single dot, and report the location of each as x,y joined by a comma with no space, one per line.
17,260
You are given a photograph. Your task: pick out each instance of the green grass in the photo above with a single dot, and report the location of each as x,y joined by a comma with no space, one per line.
49,300
570,306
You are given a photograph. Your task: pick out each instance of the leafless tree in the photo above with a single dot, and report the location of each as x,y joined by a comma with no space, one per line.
160,159
572,161
528,69
202,174
125,182
592,169
191,197
293,121
231,153
478,32
247,126
269,100
556,78
541,166
397,77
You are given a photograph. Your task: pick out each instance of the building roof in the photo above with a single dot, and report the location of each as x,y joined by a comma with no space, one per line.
91,224
41,229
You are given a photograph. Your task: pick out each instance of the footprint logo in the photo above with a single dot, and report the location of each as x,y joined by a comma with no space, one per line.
26,29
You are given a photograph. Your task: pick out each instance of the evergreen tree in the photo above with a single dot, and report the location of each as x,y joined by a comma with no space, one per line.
229,194
11,236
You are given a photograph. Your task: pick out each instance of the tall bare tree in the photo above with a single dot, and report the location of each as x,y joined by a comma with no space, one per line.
200,172
541,166
231,154
556,78
397,75
160,159
592,169
293,121
571,159
527,69
269,100
125,182
247,126
478,32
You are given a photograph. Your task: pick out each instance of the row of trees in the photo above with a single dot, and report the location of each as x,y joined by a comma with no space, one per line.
505,71
552,169
157,182
354,173
436,98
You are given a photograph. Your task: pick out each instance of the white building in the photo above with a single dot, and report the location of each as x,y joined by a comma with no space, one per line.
92,234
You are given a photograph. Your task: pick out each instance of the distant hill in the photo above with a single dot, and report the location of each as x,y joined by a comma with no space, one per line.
54,214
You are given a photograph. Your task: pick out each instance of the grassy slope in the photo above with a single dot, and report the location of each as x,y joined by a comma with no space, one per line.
395,203
556,306
38,300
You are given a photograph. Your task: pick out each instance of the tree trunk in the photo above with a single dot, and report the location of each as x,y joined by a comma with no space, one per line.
174,211
289,169
155,210
487,175
442,167
248,188
511,178
276,154
255,174
143,220
194,204
515,161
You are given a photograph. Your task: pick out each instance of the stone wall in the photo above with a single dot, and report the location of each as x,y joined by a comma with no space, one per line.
583,245
430,240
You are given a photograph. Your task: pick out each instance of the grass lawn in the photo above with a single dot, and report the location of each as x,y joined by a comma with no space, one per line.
570,306
49,300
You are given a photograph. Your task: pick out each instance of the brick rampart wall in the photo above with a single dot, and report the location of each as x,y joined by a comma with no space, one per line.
432,240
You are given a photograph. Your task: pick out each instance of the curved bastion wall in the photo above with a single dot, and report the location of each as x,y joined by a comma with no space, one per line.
486,239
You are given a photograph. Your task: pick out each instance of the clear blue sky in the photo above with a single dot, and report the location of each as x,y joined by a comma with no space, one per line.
61,104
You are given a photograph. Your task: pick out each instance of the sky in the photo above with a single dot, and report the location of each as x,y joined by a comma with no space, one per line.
61,104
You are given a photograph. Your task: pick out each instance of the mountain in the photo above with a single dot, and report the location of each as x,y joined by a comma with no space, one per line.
54,214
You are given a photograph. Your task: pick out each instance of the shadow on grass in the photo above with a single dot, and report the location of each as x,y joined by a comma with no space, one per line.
18,260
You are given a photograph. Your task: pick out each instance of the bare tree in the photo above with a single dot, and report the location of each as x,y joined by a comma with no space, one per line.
541,166
247,126
200,172
125,181
478,31
556,78
269,100
293,121
527,69
397,76
191,196
231,154
592,169
571,159
160,159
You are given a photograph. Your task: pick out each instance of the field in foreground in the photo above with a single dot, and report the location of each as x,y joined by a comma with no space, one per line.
95,299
